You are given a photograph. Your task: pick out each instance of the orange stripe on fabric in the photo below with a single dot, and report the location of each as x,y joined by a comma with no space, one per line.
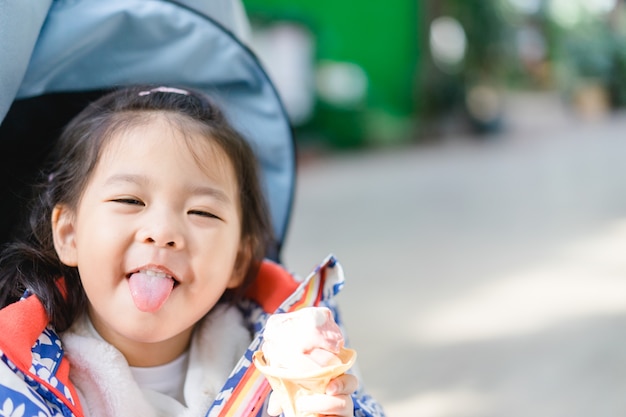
312,295
241,387
251,390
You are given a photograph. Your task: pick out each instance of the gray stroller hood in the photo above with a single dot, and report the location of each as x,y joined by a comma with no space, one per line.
56,56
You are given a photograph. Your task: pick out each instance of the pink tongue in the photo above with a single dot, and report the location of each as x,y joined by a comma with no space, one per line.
149,292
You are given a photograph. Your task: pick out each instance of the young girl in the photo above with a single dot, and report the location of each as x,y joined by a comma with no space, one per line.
141,282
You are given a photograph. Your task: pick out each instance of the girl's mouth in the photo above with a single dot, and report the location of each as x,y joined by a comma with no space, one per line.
157,274
150,288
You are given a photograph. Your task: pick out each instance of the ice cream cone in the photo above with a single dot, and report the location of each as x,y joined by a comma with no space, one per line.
290,385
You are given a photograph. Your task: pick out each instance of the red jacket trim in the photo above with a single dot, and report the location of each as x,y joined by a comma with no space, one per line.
272,286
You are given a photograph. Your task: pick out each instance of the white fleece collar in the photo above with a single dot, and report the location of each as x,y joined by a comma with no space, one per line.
105,385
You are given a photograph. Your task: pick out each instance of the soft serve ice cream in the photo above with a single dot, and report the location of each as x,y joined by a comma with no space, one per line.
301,352
304,340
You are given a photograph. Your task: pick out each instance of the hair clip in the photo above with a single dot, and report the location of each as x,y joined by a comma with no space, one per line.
164,89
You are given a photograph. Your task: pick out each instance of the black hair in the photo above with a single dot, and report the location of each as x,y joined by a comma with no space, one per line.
30,263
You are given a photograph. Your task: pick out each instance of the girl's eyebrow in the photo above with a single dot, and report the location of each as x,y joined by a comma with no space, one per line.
211,192
127,178
196,190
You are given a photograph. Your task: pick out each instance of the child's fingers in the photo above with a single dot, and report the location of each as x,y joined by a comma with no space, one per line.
337,400
343,384
327,405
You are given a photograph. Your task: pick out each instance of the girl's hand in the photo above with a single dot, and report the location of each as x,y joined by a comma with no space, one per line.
337,401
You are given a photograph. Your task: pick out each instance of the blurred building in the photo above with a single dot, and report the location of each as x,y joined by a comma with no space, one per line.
346,70
366,73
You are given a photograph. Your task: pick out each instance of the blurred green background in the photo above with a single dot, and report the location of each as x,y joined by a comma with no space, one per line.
358,74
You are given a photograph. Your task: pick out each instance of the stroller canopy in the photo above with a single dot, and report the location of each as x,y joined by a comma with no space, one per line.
56,56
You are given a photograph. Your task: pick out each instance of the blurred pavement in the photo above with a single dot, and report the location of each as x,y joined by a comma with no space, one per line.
483,277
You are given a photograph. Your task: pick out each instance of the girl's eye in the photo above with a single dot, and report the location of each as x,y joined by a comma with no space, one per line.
130,201
203,214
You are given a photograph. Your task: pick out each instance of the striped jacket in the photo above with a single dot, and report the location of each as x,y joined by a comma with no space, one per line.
34,373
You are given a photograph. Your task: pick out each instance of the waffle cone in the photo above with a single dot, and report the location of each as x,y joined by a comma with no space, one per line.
290,385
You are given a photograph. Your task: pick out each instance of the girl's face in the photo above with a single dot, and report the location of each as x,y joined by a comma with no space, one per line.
150,214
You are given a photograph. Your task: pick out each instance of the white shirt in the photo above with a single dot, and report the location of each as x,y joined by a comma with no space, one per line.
165,382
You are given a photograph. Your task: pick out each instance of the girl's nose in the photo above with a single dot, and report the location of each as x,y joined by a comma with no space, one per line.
164,233
170,243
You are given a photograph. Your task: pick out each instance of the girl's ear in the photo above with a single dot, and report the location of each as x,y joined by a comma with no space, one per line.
63,234
242,263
